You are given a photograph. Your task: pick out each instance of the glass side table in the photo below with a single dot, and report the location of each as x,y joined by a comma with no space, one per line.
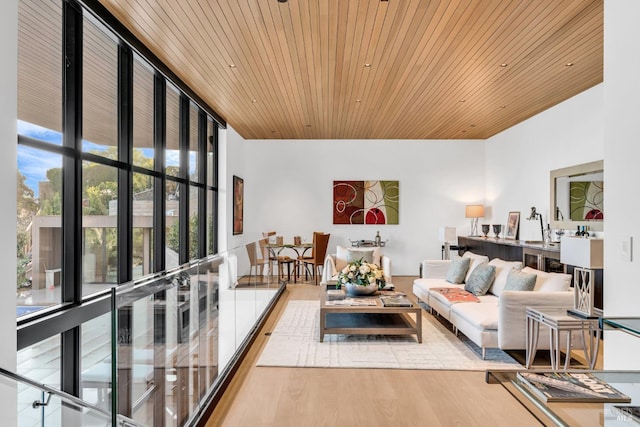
575,413
558,320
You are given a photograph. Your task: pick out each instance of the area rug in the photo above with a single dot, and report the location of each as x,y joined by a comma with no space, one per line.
295,343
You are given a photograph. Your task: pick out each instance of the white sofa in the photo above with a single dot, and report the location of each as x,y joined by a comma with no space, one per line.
334,263
499,319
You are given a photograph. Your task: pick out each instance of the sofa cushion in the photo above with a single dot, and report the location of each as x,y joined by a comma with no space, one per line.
519,281
475,261
502,271
480,279
458,270
347,255
549,282
484,315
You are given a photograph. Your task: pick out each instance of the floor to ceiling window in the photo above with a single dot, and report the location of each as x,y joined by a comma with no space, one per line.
117,164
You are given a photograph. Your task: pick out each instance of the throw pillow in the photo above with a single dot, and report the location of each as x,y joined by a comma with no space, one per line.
549,282
341,257
480,279
475,260
502,271
457,270
357,254
519,281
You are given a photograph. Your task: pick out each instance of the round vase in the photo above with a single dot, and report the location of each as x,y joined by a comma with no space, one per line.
361,290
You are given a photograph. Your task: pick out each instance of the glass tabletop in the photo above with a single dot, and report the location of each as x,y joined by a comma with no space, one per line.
628,324
576,413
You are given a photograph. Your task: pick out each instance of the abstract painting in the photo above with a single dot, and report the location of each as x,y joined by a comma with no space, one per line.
365,202
587,200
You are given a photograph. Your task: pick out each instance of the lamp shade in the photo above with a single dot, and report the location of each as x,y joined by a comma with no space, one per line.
447,234
581,252
474,211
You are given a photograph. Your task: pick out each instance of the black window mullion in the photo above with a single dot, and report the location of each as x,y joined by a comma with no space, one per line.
159,187
71,189
202,177
125,155
216,132
183,209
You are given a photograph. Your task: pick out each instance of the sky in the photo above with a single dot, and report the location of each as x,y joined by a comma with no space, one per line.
33,164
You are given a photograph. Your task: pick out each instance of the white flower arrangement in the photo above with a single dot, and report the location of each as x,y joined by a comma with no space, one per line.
361,273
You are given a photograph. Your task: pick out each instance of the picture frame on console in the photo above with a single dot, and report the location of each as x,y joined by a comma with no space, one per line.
513,225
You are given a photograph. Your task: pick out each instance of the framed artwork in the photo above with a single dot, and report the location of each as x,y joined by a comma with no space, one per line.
238,202
513,223
365,202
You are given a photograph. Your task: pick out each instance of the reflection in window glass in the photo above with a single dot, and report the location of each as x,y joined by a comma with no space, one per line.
39,70
172,151
172,231
99,91
210,228
211,166
194,193
99,226
142,224
193,143
95,362
142,114
39,232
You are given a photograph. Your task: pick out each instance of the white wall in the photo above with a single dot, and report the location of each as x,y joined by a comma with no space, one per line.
288,188
520,158
8,162
622,174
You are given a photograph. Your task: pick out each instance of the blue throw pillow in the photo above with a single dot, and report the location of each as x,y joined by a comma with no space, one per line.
480,279
519,281
457,270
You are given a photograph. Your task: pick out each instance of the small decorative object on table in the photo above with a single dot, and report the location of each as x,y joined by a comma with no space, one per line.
485,229
497,228
361,278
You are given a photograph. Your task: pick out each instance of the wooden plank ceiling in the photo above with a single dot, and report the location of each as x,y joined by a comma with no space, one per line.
372,69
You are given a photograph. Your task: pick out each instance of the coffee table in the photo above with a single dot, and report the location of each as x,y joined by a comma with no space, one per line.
369,320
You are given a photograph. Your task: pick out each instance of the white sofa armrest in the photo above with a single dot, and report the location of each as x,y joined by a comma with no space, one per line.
512,314
329,270
435,268
385,264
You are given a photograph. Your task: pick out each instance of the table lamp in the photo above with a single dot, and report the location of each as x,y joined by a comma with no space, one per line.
474,212
447,235
586,255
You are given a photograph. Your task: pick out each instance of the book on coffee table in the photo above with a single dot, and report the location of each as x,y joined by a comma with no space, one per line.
571,387
396,301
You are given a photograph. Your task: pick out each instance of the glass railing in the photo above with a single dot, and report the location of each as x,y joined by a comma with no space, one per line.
41,405
177,335
167,346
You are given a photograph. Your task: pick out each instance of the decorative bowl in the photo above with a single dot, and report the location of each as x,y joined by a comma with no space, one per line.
357,290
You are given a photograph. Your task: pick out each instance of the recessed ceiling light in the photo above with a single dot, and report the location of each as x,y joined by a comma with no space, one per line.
503,106
504,64
232,65
367,65
282,1
254,101
357,100
463,100
569,64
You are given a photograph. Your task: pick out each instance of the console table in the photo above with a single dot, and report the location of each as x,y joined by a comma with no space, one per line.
535,255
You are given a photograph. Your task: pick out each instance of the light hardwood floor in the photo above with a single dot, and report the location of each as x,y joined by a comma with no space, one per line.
269,396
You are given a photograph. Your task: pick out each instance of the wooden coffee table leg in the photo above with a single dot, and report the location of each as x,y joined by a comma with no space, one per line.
322,324
419,326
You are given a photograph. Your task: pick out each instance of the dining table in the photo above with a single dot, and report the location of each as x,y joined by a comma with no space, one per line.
300,249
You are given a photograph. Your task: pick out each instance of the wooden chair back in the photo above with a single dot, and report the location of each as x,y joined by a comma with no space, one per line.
320,244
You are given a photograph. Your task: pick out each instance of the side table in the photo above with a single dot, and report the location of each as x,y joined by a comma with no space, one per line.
558,321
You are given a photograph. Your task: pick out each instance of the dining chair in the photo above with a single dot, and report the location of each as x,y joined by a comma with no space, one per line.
255,262
275,259
316,261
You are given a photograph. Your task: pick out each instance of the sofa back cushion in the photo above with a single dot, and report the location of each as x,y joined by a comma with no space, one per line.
347,255
480,279
503,268
549,282
457,270
519,281
475,261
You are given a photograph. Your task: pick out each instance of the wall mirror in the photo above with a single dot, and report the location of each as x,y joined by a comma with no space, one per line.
577,196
